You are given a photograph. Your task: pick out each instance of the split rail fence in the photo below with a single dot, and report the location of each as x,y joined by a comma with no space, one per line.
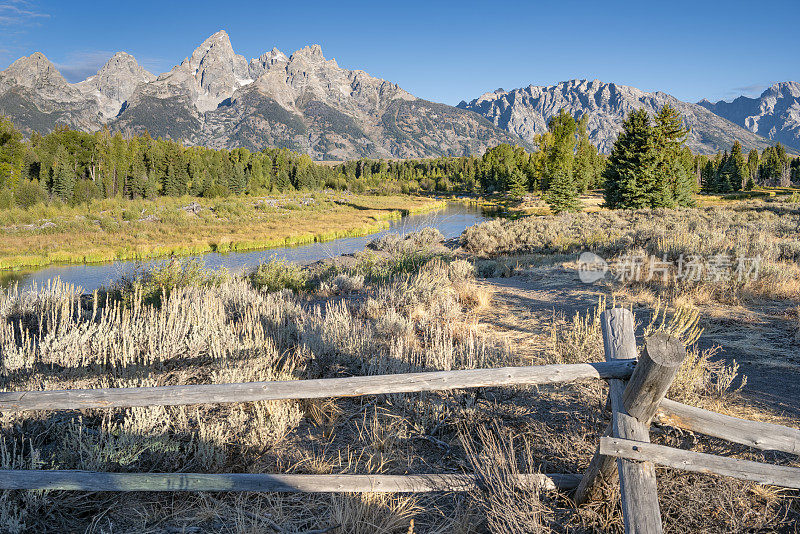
637,386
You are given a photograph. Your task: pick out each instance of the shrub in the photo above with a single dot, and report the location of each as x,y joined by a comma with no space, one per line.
216,190
6,198
275,275
29,193
498,458
155,282
343,283
84,191
461,270
424,239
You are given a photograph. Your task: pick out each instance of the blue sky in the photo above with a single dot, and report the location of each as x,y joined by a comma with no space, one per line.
441,51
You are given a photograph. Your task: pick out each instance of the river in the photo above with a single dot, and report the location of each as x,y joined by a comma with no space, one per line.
451,221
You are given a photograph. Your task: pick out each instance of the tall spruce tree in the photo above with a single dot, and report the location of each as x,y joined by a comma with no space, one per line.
630,175
63,175
707,178
752,169
722,178
674,176
737,167
586,158
562,193
518,184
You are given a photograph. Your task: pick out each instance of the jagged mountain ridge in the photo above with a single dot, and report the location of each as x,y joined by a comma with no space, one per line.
306,102
525,112
37,97
774,115
217,98
115,82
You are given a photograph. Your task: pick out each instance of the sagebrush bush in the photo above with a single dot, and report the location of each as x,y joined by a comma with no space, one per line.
424,239
747,230
154,282
275,275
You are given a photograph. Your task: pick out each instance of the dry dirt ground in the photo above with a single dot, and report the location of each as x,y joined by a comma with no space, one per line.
761,338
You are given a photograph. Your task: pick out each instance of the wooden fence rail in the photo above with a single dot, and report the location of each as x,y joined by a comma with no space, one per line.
636,396
283,483
81,399
764,436
776,475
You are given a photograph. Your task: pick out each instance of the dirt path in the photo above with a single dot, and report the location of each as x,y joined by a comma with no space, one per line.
761,339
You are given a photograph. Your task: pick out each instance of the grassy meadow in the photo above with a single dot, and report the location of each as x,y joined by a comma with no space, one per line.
113,229
406,303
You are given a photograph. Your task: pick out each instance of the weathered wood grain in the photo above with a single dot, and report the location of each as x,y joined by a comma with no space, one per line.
776,475
619,342
284,483
633,406
765,436
655,371
79,399
648,384
641,513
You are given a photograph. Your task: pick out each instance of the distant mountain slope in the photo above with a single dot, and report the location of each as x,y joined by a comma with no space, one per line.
774,115
37,97
526,111
217,98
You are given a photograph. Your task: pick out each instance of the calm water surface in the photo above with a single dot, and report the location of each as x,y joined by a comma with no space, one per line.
451,221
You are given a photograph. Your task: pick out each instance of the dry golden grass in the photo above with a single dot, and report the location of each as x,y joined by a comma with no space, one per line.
115,229
406,312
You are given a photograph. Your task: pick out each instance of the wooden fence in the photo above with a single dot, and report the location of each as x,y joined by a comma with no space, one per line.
637,386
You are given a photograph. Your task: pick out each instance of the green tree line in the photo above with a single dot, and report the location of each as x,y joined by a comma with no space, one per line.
728,172
649,166
74,167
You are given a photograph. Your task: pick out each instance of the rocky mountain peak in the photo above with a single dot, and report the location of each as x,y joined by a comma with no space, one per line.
217,70
774,115
215,97
526,112
208,77
34,72
266,61
115,82
309,52
784,90
215,48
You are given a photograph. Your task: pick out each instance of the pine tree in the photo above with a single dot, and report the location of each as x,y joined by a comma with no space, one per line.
562,193
675,181
282,181
684,185
752,168
630,175
258,180
518,184
238,181
737,167
707,181
773,163
63,175
585,159
722,178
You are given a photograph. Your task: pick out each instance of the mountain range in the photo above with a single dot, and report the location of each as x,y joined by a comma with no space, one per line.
525,112
774,115
308,103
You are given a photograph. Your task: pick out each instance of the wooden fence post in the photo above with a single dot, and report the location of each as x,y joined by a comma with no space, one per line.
633,407
632,410
619,342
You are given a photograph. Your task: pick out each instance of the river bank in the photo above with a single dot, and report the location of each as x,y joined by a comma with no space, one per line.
449,218
114,230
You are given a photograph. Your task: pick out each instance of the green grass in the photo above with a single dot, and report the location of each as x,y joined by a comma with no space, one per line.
115,229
